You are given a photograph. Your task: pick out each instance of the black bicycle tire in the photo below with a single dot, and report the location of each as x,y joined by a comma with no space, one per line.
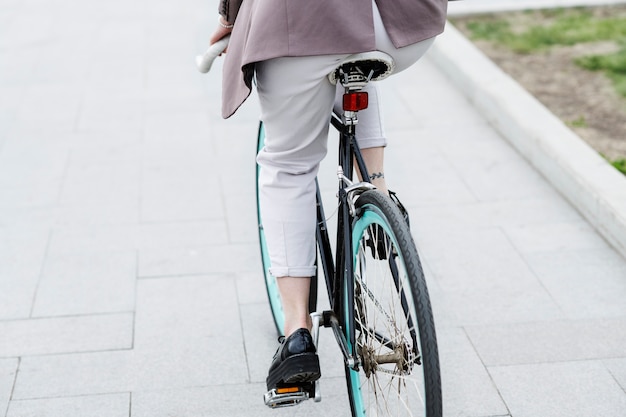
274,300
419,292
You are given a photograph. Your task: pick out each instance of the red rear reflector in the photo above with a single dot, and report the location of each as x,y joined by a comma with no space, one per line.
355,101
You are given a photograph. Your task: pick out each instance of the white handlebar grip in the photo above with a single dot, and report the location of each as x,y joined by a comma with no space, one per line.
204,62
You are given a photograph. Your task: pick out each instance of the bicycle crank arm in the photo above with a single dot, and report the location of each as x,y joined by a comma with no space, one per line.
330,320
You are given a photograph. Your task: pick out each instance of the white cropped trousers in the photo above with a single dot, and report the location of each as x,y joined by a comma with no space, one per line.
296,100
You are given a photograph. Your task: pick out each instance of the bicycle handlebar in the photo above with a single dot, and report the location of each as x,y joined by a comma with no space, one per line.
204,62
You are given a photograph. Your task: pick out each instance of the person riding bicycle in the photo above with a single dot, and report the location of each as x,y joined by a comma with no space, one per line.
290,47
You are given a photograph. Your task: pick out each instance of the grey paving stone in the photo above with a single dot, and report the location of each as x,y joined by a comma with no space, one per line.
17,68
186,334
77,239
549,341
181,234
178,312
76,374
241,218
251,287
7,121
444,318
178,72
184,133
20,223
44,193
586,283
617,368
106,183
112,405
483,278
555,236
426,179
573,389
235,144
498,213
86,283
54,105
66,334
42,29
182,159
467,386
478,171
113,372
490,166
215,259
176,89
8,370
260,338
236,400
165,103
178,194
32,164
421,106
89,215
68,61
119,72
195,320
22,253
111,114
123,148
127,41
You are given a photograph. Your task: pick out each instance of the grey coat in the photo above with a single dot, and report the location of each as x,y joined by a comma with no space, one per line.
266,29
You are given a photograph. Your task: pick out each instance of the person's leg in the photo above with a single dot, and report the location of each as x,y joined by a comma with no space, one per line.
296,98
370,132
294,293
402,57
374,161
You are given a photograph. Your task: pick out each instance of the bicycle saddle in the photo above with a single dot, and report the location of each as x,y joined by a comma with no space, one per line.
362,64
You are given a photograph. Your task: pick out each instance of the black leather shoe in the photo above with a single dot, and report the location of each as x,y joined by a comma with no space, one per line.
295,361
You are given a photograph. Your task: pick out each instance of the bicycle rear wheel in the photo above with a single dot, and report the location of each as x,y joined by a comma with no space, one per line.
271,285
395,333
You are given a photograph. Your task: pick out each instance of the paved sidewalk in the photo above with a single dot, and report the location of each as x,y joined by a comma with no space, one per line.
129,270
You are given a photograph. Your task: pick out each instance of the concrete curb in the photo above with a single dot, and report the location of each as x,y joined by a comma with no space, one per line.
580,174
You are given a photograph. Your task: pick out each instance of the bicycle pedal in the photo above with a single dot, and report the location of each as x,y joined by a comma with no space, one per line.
288,396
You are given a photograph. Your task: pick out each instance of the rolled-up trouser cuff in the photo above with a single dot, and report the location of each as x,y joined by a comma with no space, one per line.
372,142
304,272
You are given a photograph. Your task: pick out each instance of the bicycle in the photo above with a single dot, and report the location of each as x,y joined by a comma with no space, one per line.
380,311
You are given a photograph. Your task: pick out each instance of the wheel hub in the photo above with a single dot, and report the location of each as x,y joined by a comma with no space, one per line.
402,356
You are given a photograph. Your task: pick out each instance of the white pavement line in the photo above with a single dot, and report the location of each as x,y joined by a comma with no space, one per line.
459,8
578,172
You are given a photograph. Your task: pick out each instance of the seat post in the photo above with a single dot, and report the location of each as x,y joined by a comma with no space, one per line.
353,80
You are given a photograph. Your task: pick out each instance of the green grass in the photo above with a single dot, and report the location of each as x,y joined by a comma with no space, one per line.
620,165
613,65
563,27
560,27
536,31
579,122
